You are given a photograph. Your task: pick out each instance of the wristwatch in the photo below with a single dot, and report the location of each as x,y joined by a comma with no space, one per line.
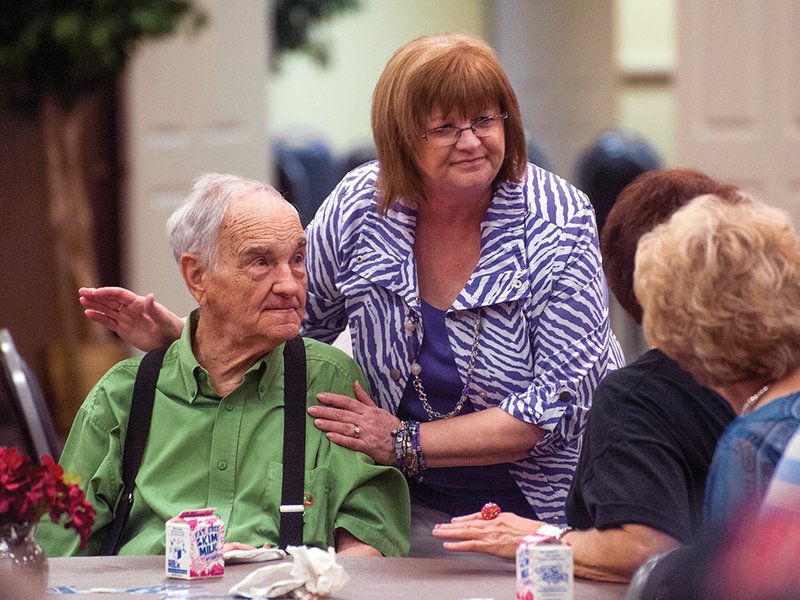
562,531
553,531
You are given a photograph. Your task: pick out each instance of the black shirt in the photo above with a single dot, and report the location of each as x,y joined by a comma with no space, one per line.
646,450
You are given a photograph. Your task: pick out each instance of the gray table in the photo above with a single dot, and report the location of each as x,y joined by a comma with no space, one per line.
370,579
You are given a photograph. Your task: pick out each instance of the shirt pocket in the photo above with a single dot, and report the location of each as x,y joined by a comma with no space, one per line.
319,507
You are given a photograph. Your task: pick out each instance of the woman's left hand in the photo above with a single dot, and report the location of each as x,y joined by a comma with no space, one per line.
357,424
499,536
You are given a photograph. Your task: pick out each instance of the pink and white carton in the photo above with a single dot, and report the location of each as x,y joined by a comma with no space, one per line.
194,545
544,568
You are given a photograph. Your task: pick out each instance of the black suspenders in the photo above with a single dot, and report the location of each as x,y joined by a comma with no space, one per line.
144,392
294,443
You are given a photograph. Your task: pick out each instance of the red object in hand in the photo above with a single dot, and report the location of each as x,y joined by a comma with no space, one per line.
490,511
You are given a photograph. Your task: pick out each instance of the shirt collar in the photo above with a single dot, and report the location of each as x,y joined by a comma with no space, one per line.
195,378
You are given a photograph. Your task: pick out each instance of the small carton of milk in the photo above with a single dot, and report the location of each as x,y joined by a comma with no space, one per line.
194,545
544,568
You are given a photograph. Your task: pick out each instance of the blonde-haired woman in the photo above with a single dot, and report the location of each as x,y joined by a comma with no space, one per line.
720,288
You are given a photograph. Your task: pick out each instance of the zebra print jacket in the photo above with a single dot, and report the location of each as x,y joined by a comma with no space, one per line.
545,340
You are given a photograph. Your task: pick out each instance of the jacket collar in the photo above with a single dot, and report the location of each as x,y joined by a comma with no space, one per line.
384,253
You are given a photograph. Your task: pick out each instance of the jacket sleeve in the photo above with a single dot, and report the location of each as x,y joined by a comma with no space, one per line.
571,340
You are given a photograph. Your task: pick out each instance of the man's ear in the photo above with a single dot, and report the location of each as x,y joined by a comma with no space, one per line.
194,275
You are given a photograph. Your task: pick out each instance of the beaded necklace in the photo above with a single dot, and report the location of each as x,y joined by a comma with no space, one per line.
416,369
752,400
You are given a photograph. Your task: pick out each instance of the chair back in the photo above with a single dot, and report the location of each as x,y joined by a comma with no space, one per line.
308,170
662,576
26,421
536,153
610,163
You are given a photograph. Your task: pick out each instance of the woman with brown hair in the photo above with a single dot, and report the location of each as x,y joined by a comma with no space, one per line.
472,286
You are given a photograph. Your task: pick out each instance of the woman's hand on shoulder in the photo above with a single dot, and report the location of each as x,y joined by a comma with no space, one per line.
139,320
357,423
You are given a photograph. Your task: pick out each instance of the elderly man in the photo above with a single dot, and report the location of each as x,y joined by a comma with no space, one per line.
217,428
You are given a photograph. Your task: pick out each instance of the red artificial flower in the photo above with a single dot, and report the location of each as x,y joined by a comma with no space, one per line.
28,491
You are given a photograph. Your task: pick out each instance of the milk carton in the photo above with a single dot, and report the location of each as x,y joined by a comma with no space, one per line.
194,545
544,568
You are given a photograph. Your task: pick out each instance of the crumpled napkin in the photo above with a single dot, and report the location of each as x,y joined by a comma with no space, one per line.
314,573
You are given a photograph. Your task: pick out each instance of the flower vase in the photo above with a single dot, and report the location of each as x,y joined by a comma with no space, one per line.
22,559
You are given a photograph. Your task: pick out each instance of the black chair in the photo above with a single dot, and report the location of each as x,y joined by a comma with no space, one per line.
26,422
665,576
611,163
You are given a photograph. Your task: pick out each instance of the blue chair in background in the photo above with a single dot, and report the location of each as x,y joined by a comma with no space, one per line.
536,153
357,156
307,172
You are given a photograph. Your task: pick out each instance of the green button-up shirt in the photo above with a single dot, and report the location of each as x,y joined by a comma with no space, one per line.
204,450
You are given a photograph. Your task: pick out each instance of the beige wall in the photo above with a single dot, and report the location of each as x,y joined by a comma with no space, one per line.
645,57
194,104
559,58
304,98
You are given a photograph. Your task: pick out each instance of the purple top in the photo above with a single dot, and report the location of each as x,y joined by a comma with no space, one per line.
545,341
454,490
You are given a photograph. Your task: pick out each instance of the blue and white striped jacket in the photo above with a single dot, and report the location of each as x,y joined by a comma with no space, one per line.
545,340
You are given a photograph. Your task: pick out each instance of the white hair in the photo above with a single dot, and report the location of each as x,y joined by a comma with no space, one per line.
194,226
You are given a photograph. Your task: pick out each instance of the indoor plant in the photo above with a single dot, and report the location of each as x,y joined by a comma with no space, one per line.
56,59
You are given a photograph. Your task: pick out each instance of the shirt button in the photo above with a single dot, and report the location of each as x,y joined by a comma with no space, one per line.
482,393
222,465
228,406
564,396
517,283
394,374
359,259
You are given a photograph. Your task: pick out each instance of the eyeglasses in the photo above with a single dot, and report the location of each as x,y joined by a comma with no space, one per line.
447,135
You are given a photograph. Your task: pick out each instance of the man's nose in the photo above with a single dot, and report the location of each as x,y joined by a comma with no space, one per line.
288,281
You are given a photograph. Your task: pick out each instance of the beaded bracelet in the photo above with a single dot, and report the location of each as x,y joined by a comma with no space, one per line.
409,454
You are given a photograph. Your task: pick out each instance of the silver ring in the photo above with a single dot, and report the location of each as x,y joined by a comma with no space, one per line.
357,432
